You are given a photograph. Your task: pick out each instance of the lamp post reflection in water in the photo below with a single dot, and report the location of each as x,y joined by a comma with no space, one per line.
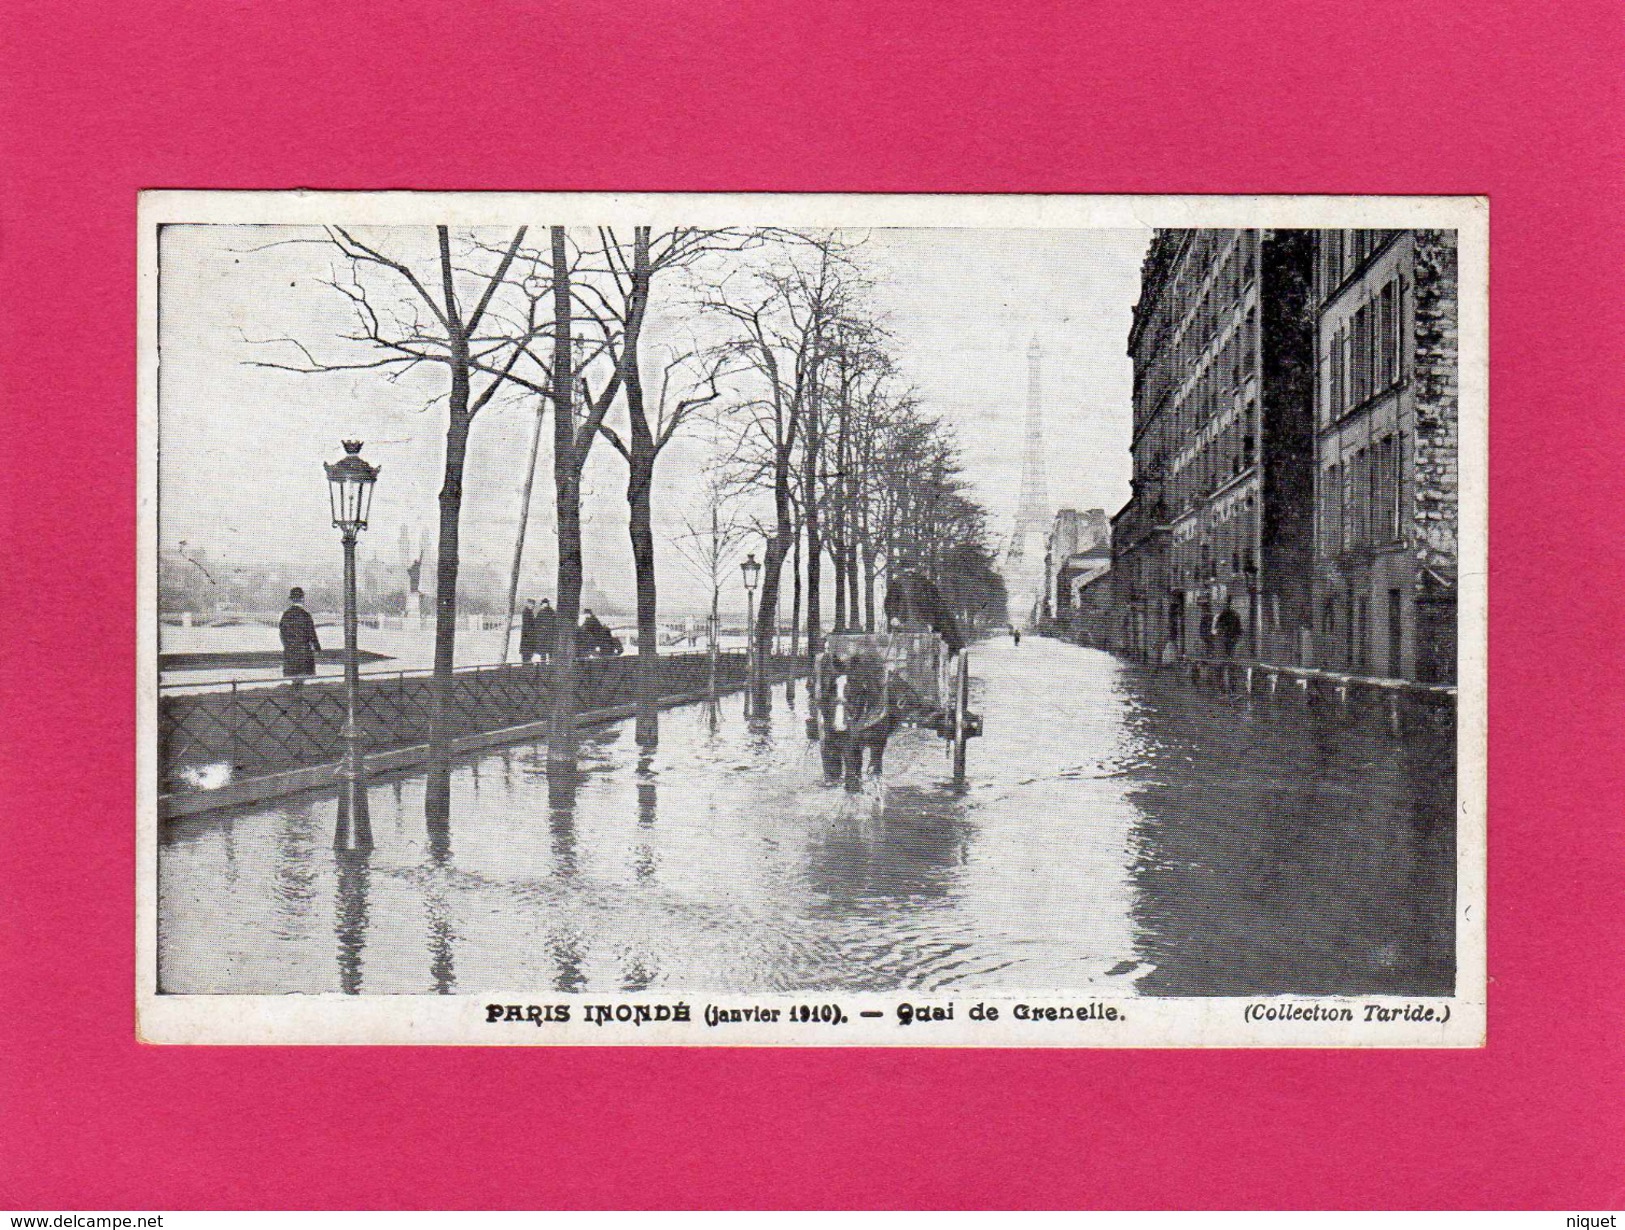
350,915
349,483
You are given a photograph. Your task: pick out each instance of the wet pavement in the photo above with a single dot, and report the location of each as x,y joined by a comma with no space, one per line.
1121,831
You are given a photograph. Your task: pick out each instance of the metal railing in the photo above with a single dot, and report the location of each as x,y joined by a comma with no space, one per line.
255,728
1400,704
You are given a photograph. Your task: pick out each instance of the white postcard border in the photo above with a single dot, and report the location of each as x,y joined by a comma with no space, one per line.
635,1019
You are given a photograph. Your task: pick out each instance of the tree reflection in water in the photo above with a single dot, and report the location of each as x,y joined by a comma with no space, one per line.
1122,830
644,859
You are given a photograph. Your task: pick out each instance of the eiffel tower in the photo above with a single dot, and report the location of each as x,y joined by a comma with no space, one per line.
1024,557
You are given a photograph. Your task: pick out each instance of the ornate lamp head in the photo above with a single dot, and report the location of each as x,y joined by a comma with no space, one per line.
349,484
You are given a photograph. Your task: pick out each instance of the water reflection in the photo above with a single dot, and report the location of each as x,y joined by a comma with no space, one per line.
350,914
644,858
295,874
442,959
1118,831
563,782
1324,865
437,810
895,851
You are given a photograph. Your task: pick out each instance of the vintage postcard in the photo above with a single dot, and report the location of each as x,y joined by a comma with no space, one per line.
812,620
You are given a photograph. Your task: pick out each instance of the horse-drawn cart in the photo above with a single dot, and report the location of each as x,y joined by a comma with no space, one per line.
865,685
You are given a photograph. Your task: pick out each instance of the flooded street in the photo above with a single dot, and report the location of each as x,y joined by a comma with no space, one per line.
1121,832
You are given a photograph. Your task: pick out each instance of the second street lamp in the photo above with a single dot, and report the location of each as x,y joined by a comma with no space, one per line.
750,570
349,482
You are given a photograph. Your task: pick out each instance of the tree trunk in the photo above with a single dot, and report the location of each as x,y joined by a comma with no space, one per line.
815,549
795,596
868,589
777,550
445,588
567,505
640,478
838,558
852,582
643,450
795,612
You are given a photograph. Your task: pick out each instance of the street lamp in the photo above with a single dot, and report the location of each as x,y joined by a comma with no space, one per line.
349,485
750,570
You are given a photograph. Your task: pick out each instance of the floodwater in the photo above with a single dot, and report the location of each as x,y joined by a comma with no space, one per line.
1120,831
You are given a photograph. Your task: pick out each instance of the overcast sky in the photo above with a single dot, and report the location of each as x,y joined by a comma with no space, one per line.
241,446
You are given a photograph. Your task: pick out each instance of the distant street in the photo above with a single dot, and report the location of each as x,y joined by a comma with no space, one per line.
1120,830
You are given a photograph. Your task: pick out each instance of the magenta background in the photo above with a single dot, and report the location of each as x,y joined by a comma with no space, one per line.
102,99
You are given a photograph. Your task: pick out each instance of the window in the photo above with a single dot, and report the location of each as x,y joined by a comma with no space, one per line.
1374,474
1396,489
1360,494
1339,376
1362,368
1396,628
1346,496
1402,333
1388,335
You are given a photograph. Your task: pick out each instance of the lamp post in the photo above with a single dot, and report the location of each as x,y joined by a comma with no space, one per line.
750,570
349,483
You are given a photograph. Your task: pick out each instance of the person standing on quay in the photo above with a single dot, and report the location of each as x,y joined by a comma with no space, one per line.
1228,627
546,630
527,631
595,640
299,643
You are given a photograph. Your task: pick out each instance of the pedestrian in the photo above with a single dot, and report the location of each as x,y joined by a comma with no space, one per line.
299,644
594,639
546,630
1015,634
527,631
1228,627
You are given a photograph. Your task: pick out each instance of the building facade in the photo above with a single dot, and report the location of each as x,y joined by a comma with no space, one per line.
1386,441
1093,619
1078,547
1222,511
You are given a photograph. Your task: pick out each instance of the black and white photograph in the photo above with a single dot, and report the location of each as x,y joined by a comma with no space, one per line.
775,620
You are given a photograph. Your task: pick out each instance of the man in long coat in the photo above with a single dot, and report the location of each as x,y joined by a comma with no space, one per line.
546,630
527,631
299,643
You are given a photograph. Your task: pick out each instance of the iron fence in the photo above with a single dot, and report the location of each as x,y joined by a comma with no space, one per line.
251,729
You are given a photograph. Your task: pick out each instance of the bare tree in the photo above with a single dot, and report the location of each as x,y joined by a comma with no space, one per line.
388,293
780,321
630,265
709,545
572,441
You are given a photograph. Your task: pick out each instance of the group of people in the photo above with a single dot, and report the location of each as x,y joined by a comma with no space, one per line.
1221,634
538,632
539,629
